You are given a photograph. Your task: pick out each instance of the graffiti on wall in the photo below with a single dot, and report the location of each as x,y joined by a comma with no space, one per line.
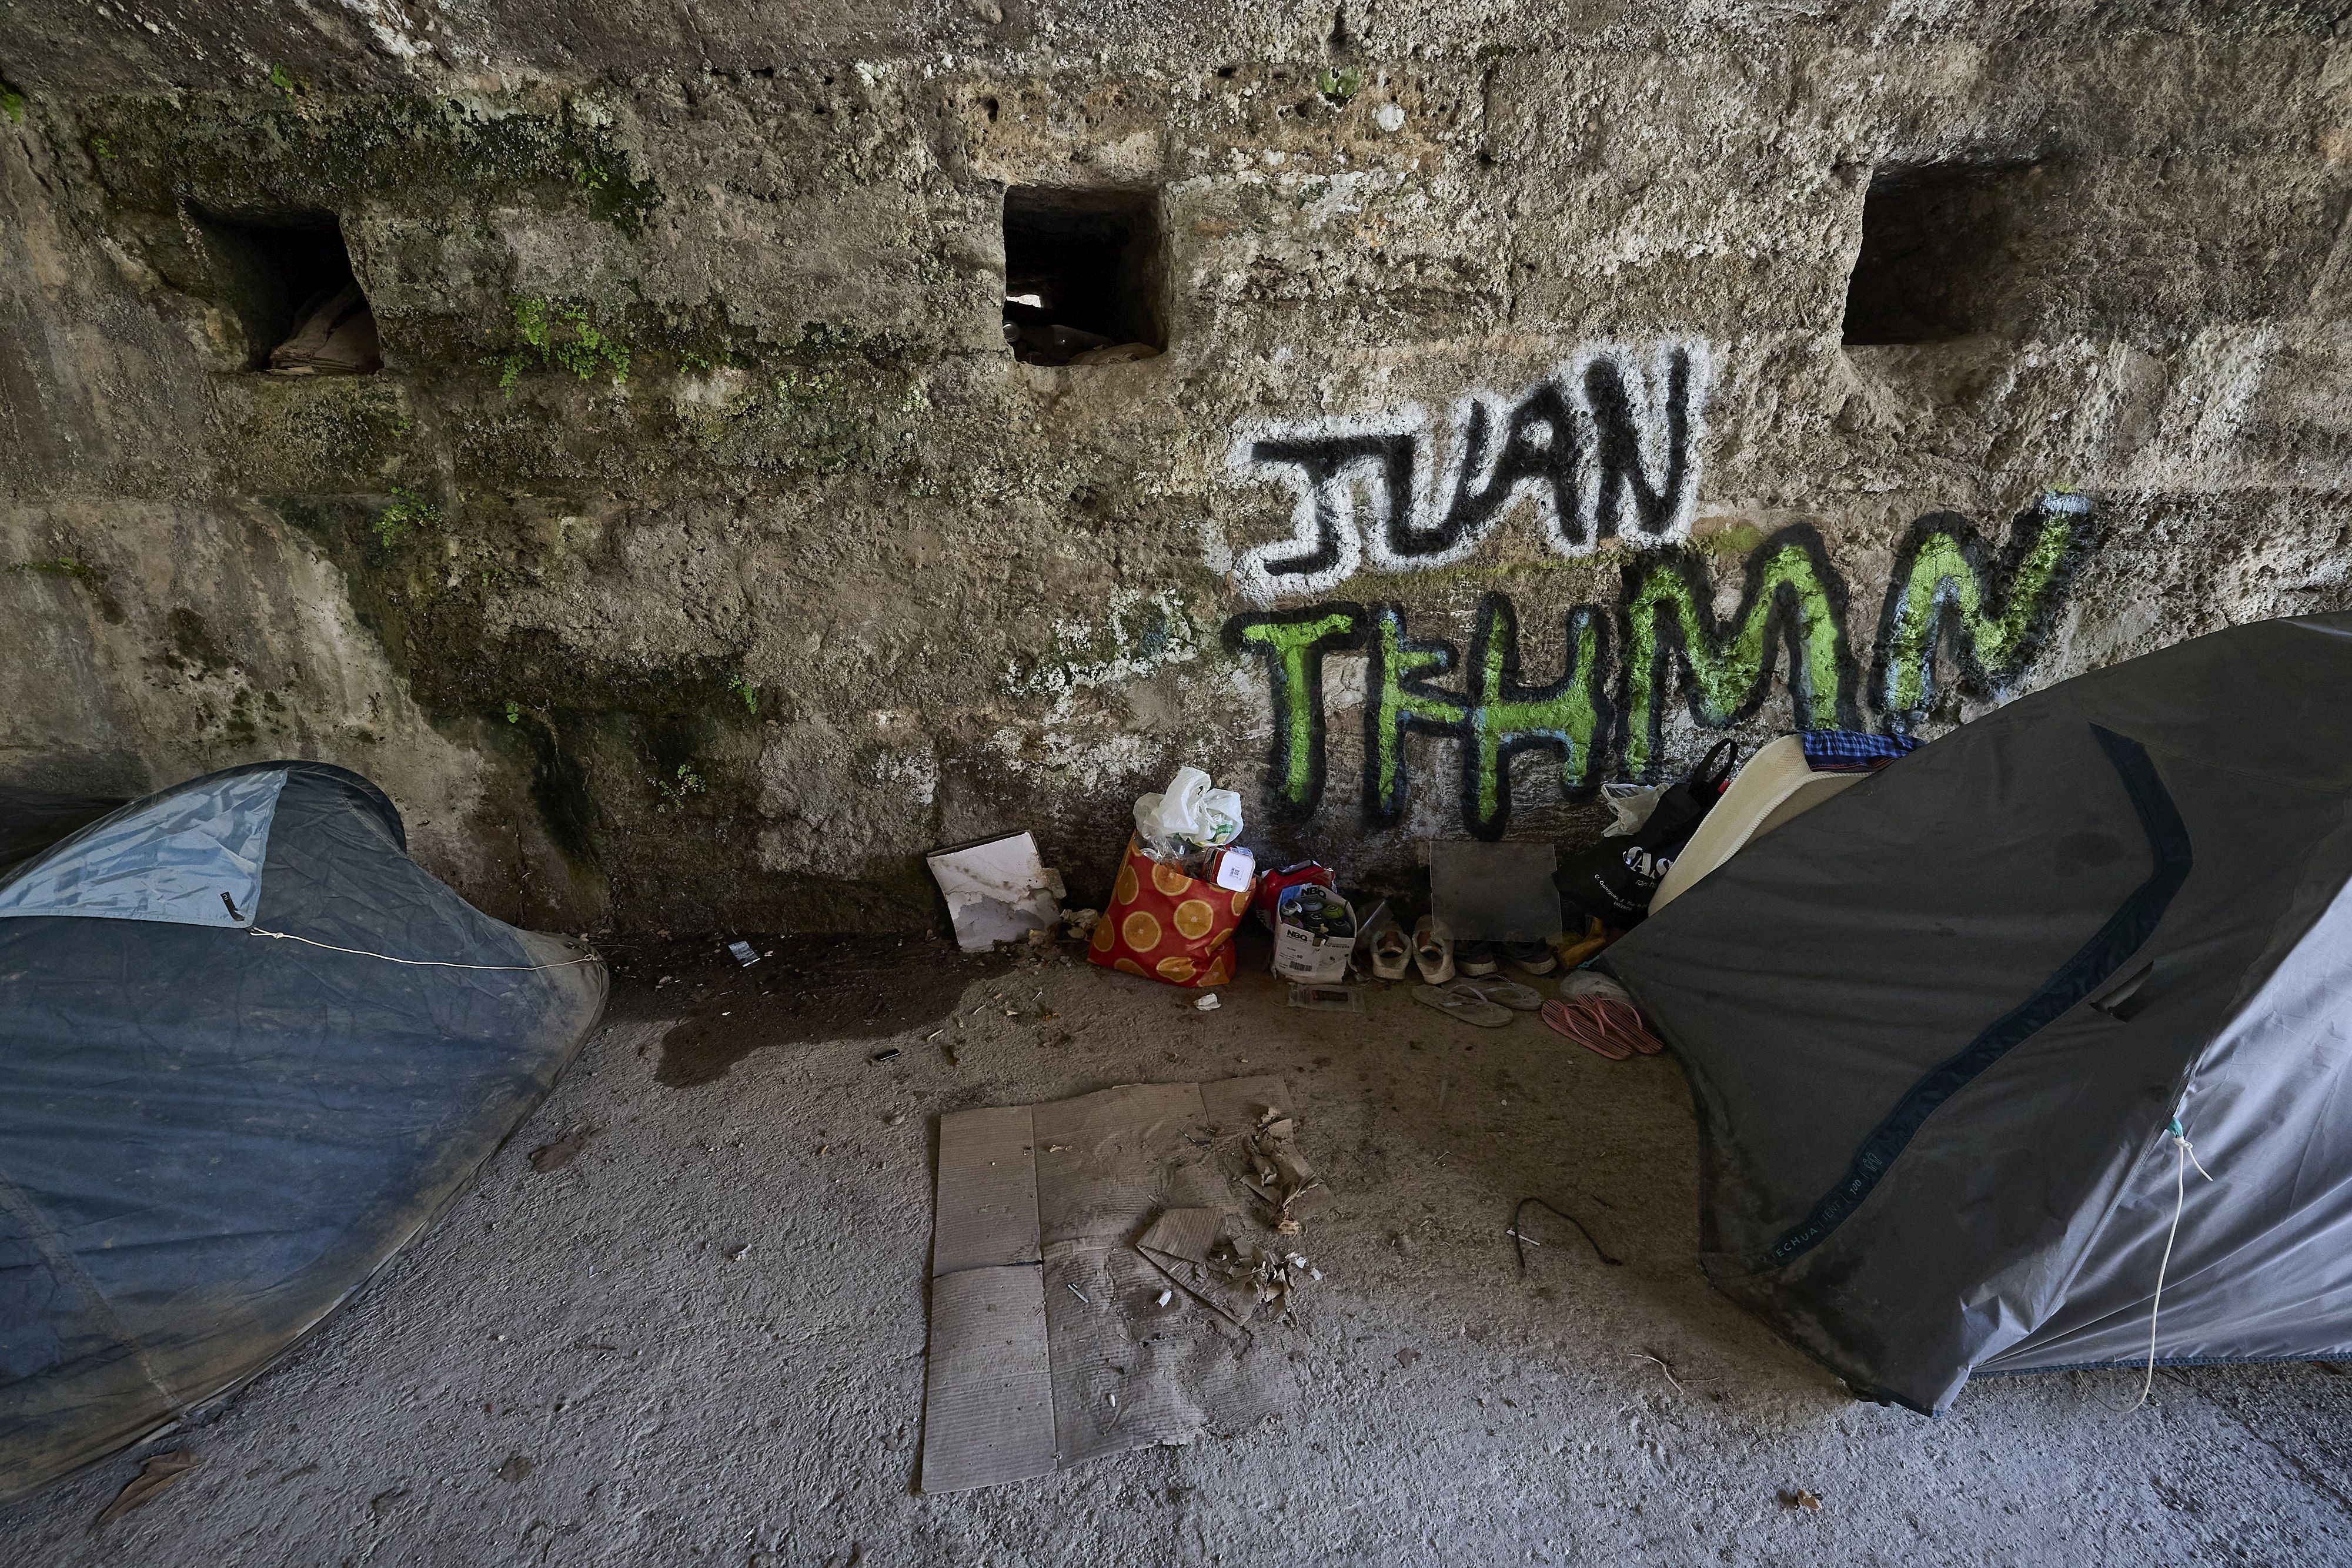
1603,447
1987,609
1603,450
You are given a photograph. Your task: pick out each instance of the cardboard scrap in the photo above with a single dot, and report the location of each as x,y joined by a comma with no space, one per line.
158,1471
1189,1246
988,1413
1050,1345
1279,1175
997,890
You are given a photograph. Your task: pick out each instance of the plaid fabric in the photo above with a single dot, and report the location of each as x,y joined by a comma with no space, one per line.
1850,751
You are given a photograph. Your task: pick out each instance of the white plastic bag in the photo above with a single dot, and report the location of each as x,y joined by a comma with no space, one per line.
1632,804
1189,810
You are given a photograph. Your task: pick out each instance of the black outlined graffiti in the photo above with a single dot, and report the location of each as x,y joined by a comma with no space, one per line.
1792,597
1400,698
1568,718
1294,644
1991,614
1605,446
1494,718
1949,590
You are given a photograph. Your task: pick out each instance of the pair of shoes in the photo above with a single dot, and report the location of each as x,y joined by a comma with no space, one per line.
1528,957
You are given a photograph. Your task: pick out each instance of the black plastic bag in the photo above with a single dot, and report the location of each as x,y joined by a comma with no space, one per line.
1614,879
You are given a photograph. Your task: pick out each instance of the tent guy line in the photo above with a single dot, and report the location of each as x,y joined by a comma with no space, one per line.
420,963
2185,1156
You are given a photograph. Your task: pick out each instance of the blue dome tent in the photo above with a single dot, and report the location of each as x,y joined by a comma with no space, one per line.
248,1048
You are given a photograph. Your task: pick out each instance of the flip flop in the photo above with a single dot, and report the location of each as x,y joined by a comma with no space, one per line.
1606,1028
1433,949
1463,1003
1624,1025
1611,1006
1520,999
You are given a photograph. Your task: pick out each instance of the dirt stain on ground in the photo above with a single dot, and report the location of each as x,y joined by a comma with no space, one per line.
554,1156
814,988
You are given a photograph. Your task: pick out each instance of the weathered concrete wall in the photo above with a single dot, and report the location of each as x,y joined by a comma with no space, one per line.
701,555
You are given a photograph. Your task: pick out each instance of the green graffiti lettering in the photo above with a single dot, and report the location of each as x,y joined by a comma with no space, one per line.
1947,591
1399,698
1792,595
1945,577
1493,720
1293,644
1505,717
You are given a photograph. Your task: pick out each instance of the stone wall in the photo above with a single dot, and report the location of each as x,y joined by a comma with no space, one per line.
701,554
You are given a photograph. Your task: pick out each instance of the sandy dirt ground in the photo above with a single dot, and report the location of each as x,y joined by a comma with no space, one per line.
679,1318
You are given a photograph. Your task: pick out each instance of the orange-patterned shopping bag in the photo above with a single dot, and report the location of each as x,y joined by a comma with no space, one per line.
1165,925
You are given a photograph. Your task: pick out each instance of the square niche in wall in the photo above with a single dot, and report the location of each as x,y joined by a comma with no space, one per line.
1937,259
1084,279
287,277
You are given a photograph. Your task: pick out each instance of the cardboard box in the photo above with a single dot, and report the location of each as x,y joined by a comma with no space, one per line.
1300,955
997,890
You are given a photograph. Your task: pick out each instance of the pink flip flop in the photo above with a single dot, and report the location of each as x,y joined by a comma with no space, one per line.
1606,1028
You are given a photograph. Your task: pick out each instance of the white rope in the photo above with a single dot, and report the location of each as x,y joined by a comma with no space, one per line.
419,963
2185,1157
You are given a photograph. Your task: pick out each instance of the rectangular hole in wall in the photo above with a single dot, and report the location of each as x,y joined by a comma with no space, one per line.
287,281
1933,265
1082,276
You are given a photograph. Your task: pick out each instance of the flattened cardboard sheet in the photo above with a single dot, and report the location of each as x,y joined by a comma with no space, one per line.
1049,1344
988,1412
988,1416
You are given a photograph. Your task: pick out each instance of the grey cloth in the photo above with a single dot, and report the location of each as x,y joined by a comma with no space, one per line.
209,1138
1937,1026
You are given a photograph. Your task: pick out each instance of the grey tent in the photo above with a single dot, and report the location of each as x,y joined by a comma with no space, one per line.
1937,1026
209,1138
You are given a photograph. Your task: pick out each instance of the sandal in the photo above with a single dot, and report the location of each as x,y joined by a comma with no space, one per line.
1520,999
1607,1028
1571,1019
1433,949
1465,1003
1617,1002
